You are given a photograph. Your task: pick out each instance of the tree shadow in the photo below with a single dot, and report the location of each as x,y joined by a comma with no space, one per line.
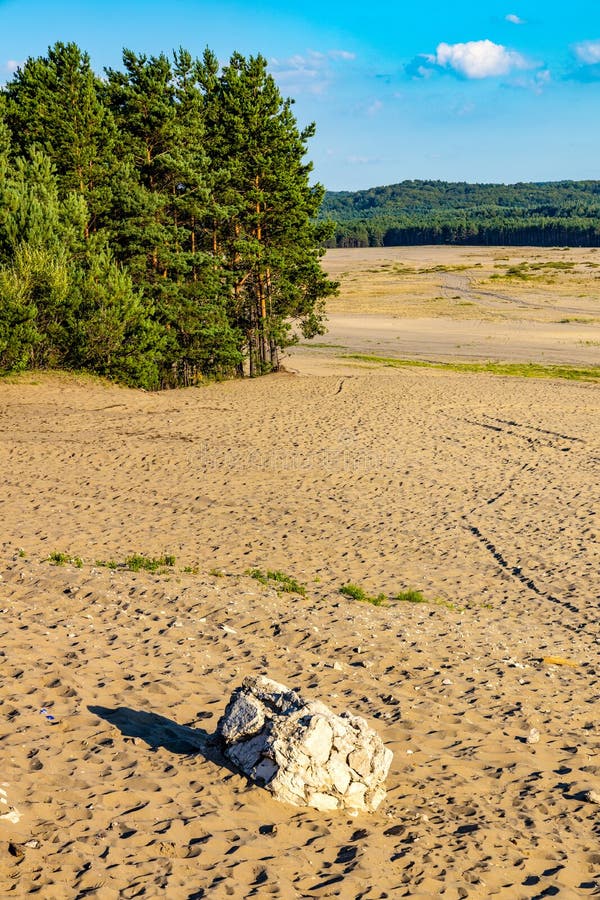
158,731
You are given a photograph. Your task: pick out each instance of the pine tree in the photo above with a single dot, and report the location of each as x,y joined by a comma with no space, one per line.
53,103
268,237
113,331
40,237
158,226
157,106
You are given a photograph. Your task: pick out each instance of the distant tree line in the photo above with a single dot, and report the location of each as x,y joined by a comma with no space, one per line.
439,212
157,225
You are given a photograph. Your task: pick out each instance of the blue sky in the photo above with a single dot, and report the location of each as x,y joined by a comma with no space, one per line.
497,91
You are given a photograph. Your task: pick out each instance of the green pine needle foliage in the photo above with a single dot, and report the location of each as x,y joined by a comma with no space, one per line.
157,226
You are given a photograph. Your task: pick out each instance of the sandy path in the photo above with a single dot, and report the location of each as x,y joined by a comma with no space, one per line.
480,491
463,286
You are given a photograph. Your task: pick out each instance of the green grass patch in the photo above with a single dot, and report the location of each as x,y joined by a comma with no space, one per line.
410,596
138,562
108,564
441,268
279,580
355,592
517,370
413,596
581,320
62,559
525,271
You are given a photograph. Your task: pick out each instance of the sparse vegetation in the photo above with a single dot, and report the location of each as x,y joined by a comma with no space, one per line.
63,559
137,562
580,320
107,564
521,370
444,268
279,580
528,271
355,592
410,596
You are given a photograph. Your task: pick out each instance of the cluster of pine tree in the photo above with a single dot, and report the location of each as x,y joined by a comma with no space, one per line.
157,225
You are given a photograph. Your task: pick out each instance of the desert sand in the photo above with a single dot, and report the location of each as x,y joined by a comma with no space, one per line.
463,303
480,491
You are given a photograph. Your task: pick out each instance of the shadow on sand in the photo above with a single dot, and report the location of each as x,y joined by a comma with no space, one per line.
158,731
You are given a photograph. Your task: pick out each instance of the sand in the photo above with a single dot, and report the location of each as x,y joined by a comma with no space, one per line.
480,491
459,303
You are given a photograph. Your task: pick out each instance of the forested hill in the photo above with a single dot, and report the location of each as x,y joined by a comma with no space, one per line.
441,212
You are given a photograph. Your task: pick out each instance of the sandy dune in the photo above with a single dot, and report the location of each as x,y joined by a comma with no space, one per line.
480,491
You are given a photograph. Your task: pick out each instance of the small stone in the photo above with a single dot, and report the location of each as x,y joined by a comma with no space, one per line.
533,737
360,761
322,802
592,796
340,775
13,815
318,740
355,795
447,681
244,717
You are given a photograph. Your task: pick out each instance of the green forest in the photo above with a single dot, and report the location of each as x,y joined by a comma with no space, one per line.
157,224
549,214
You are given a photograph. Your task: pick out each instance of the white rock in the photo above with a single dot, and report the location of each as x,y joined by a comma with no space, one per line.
322,802
318,740
301,751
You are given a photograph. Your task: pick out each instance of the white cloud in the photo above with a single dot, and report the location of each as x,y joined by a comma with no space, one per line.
536,82
588,52
514,19
362,160
311,72
11,65
478,59
374,107
341,54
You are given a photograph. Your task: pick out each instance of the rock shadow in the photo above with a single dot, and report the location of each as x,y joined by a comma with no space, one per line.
157,731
